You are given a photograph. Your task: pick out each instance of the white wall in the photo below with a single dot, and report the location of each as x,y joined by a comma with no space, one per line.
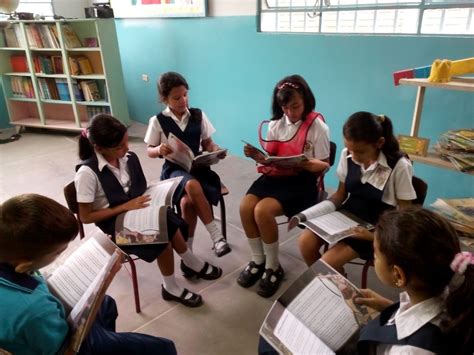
232,7
70,8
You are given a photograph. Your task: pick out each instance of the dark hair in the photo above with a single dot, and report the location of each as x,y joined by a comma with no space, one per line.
31,224
286,89
424,244
168,81
105,131
368,128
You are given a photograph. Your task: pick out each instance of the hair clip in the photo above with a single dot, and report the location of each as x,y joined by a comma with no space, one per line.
461,261
286,84
85,133
381,118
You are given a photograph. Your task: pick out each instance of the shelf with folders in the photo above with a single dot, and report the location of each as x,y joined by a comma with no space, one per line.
70,70
456,84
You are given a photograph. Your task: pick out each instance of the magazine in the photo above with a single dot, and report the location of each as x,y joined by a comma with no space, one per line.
79,279
332,226
316,314
148,225
184,156
291,161
460,212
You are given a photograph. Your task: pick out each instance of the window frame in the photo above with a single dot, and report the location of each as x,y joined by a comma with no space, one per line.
321,8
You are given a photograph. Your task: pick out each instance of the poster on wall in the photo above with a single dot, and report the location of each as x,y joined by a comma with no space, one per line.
159,8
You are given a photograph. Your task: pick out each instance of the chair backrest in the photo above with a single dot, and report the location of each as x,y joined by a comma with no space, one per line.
71,200
421,189
332,153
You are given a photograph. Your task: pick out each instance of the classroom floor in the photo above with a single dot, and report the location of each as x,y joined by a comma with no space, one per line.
43,161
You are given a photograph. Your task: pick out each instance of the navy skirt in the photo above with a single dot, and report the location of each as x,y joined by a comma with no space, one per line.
151,251
209,180
295,193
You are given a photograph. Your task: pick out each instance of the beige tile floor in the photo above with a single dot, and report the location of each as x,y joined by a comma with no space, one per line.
228,322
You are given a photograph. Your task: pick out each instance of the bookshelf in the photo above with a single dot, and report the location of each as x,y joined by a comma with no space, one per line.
41,85
457,84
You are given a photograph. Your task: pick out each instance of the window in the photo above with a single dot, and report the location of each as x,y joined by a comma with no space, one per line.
40,7
441,17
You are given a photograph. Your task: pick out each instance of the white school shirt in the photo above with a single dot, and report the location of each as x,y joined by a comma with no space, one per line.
88,187
398,185
408,319
317,140
155,136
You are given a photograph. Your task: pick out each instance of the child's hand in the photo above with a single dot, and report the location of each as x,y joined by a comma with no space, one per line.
137,203
372,299
362,233
254,154
220,155
164,149
315,166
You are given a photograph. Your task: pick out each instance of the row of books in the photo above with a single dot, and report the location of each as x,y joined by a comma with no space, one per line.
57,89
460,212
42,35
458,147
22,87
43,64
95,110
39,36
80,65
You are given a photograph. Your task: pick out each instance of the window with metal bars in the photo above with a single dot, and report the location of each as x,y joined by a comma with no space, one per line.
37,7
423,17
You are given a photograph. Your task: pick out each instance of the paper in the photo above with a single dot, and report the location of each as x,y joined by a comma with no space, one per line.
291,161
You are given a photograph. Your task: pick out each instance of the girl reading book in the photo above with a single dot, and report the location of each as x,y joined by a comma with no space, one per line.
374,175
110,181
294,129
201,186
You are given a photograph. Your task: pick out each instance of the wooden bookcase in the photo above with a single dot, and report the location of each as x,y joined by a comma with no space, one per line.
459,84
72,112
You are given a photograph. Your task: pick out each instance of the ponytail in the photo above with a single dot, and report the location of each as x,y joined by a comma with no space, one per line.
104,131
459,307
369,128
86,149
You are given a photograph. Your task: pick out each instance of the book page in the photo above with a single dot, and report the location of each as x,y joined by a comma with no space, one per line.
316,211
298,338
257,149
286,162
70,281
208,158
161,192
182,154
334,222
321,307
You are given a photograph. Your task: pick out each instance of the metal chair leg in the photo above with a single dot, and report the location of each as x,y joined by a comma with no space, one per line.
135,283
223,217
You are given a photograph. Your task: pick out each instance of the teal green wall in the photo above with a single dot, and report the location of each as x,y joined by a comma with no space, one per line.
232,69
3,110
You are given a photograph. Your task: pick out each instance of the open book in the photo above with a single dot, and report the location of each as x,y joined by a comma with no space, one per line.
316,315
291,161
148,225
332,226
184,156
79,279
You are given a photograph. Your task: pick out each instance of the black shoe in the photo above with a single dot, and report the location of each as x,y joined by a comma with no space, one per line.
194,301
215,273
270,282
247,278
223,249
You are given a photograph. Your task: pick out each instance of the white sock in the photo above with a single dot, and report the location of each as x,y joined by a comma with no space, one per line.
214,232
171,286
271,253
190,243
192,261
258,256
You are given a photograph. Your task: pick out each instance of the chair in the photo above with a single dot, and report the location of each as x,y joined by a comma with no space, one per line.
224,192
322,194
71,200
421,189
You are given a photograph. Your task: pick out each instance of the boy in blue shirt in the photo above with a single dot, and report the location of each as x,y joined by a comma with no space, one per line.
34,230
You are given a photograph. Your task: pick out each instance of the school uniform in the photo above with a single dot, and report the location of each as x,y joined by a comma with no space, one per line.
34,322
104,185
294,191
373,190
192,129
403,328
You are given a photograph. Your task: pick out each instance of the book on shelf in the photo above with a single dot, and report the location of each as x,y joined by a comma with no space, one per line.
19,64
22,87
77,90
292,161
79,279
70,37
184,156
10,37
148,225
332,226
316,314
460,212
95,110
63,89
85,66
73,65
90,90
